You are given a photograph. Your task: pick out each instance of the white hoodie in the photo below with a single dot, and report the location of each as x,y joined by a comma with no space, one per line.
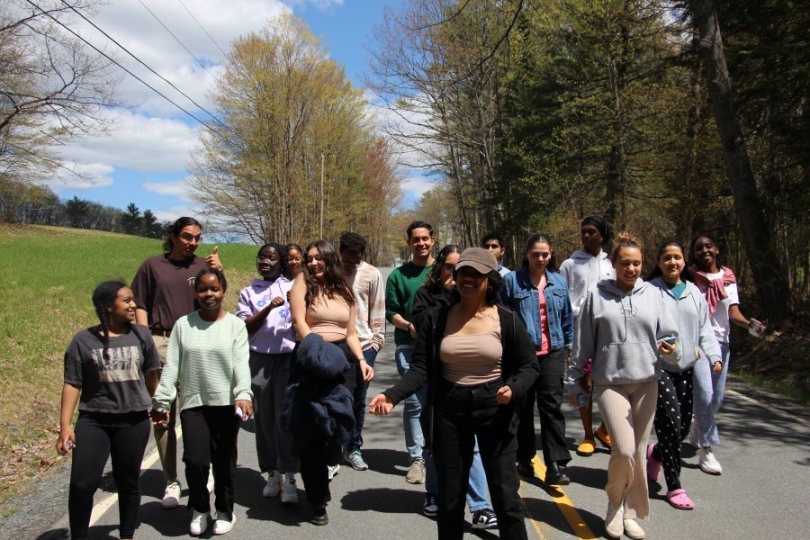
583,271
620,331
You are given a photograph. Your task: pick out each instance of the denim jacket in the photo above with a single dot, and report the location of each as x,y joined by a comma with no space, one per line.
519,294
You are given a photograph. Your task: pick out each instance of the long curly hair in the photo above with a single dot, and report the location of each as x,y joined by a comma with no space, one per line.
433,282
334,280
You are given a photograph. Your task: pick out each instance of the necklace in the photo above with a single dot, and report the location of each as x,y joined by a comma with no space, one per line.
480,314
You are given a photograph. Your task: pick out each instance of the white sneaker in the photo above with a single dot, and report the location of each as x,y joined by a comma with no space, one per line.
331,471
633,530
614,521
289,493
199,523
709,463
171,496
273,485
210,484
222,526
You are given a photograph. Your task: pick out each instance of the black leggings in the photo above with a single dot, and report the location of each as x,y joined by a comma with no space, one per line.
99,436
673,416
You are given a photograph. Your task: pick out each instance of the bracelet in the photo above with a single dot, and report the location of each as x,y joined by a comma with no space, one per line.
408,328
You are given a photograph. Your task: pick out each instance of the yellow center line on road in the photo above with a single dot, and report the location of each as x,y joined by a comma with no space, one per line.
566,507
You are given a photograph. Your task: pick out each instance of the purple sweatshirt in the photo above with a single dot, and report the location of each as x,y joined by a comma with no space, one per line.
276,335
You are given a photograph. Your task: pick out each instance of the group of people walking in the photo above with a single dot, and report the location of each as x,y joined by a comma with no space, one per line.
477,346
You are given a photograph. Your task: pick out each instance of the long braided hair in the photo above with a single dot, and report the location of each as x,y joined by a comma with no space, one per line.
104,296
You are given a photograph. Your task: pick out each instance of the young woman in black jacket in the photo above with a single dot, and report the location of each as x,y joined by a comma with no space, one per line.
477,361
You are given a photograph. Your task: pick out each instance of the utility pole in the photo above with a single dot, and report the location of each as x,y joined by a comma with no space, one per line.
320,227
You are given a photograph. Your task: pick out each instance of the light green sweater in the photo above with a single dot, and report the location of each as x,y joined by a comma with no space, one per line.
210,362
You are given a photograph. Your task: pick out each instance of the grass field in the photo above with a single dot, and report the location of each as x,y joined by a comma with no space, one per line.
48,275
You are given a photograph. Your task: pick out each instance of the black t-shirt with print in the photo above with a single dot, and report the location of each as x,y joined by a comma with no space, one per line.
115,384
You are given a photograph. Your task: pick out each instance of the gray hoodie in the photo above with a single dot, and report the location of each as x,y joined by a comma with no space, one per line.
620,332
695,334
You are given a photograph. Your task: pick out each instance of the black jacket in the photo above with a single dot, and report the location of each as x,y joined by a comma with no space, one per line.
519,367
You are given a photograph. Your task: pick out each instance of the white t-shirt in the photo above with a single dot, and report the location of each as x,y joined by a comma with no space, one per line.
720,320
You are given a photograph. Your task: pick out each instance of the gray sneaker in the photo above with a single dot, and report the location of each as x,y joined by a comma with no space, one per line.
356,460
416,472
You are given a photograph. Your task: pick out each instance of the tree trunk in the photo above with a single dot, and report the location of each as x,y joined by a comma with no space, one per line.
772,290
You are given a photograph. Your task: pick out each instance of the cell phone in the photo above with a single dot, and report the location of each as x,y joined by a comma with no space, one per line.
669,339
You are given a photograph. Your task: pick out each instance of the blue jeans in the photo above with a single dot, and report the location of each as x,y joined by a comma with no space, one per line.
412,409
477,488
710,389
360,392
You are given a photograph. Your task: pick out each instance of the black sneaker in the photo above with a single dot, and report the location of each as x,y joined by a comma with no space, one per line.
431,507
484,519
319,516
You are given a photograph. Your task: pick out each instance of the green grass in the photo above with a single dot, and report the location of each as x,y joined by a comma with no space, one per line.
48,277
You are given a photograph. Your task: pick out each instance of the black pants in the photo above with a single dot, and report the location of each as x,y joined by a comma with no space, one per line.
209,441
548,393
99,436
461,414
673,417
320,451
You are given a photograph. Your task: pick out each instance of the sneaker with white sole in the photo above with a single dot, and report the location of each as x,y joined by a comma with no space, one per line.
708,463
416,472
289,492
614,521
633,530
273,485
199,523
356,460
332,470
484,519
223,526
171,496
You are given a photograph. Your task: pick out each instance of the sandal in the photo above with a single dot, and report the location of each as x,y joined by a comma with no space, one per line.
586,447
678,498
653,465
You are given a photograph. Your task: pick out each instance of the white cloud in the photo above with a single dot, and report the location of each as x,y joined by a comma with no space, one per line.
83,176
136,142
179,188
417,185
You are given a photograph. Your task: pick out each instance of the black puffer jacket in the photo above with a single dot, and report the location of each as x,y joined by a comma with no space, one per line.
519,368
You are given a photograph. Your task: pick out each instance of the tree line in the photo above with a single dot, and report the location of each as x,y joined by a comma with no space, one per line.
21,202
669,118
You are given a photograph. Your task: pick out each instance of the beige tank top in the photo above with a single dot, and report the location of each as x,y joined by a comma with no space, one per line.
329,317
471,359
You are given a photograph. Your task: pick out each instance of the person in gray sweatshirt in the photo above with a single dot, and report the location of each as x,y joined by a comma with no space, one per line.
626,328
673,414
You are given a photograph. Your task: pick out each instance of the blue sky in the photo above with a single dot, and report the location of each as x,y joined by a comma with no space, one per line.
144,159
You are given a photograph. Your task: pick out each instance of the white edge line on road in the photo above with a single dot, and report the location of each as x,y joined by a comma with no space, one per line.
778,412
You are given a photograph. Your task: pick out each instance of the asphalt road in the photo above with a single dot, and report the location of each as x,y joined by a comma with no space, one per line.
762,494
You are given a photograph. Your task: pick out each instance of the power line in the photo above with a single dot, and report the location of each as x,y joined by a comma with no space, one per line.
43,158
77,12
203,28
114,61
175,37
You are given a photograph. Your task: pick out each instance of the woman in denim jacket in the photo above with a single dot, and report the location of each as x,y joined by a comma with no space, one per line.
540,296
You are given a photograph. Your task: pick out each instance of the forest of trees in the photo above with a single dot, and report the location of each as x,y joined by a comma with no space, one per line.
25,203
670,118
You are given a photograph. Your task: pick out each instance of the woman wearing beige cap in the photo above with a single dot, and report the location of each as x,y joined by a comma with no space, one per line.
477,362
